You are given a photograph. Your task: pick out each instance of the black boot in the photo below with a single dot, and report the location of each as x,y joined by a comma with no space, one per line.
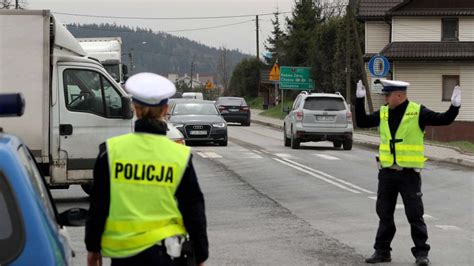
422,261
379,256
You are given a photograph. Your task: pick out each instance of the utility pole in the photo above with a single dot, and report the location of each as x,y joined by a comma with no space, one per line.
130,61
258,48
360,60
348,56
192,69
16,4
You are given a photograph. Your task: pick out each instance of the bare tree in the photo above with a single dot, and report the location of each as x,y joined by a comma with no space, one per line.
331,8
11,4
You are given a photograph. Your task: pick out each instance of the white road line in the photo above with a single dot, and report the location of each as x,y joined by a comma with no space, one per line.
213,155
251,155
317,176
257,151
326,156
399,207
283,155
427,216
329,176
448,227
374,198
202,154
264,151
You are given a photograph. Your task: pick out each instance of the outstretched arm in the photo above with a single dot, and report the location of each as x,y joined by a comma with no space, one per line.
363,119
431,118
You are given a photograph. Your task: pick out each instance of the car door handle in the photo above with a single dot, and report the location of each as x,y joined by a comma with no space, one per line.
65,129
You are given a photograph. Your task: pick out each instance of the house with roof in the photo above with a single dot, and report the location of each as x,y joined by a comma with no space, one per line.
430,44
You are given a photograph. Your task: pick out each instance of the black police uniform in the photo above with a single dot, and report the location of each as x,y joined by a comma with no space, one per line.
407,182
190,203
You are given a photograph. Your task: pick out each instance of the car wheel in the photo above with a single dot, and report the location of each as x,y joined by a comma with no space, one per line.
87,188
347,145
286,140
295,142
247,124
337,143
222,142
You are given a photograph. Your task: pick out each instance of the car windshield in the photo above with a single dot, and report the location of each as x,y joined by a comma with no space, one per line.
324,104
231,101
195,109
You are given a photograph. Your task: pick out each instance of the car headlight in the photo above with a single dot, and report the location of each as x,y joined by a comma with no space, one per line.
178,125
219,125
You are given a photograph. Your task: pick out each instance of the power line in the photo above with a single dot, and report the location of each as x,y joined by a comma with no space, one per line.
164,18
172,31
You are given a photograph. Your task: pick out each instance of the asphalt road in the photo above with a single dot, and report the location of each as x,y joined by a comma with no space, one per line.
269,204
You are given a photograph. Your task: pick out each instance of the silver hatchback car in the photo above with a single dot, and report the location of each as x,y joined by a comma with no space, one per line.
318,117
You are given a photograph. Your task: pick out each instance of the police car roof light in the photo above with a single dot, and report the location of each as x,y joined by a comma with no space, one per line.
11,104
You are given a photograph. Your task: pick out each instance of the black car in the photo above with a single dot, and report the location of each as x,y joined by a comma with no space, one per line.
234,109
199,121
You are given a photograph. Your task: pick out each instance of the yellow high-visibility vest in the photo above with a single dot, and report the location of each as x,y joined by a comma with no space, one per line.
145,171
407,148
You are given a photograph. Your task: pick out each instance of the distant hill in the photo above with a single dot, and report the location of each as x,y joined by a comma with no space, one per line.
163,53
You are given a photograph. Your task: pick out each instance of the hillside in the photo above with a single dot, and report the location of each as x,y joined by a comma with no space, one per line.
163,53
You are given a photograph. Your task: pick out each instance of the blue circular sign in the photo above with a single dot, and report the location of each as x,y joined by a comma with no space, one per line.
379,66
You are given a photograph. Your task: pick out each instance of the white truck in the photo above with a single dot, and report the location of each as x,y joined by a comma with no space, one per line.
108,50
72,104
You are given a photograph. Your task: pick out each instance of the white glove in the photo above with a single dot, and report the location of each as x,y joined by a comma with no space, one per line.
456,98
360,93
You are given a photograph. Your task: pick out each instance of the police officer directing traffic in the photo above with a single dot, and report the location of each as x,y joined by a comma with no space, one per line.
401,157
145,197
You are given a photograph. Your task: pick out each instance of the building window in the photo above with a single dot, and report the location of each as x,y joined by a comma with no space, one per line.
450,29
449,82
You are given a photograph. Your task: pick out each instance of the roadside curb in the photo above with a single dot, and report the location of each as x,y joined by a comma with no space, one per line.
375,146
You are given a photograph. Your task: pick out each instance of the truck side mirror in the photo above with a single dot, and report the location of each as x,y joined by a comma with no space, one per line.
286,109
126,112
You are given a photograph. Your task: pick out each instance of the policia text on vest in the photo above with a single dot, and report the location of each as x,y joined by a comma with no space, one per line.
153,173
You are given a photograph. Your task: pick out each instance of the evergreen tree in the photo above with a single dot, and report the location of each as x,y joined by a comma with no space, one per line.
274,43
305,18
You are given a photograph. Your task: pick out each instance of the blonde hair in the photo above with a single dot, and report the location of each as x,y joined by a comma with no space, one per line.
150,112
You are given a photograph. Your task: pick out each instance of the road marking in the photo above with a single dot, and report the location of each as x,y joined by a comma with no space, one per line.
251,155
326,156
257,151
283,155
399,207
448,227
209,154
427,216
202,154
374,198
329,176
317,176
264,151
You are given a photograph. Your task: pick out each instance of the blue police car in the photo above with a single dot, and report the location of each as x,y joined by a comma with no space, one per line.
31,230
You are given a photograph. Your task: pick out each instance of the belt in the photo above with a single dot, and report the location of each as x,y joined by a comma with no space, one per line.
396,167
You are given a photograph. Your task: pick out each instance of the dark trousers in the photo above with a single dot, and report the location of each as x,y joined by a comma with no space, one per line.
155,255
408,183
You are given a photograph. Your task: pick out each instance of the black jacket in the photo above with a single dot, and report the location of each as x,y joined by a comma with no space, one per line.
427,117
189,196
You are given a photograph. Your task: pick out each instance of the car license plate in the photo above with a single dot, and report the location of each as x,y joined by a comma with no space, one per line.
198,132
325,118
233,110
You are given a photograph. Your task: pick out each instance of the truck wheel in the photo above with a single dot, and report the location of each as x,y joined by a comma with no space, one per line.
87,188
347,145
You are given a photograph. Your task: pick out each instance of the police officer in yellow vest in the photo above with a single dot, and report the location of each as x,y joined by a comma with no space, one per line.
146,197
401,157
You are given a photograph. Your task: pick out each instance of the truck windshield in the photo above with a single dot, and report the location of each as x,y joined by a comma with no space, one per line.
114,71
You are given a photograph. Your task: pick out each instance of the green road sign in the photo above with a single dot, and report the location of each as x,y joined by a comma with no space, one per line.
296,78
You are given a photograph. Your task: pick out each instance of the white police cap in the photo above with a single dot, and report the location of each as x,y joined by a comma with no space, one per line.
393,85
150,89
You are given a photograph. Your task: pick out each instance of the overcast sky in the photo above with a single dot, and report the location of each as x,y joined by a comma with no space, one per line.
241,36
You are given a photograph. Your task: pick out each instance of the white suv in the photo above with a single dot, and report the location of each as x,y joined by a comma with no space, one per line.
318,117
